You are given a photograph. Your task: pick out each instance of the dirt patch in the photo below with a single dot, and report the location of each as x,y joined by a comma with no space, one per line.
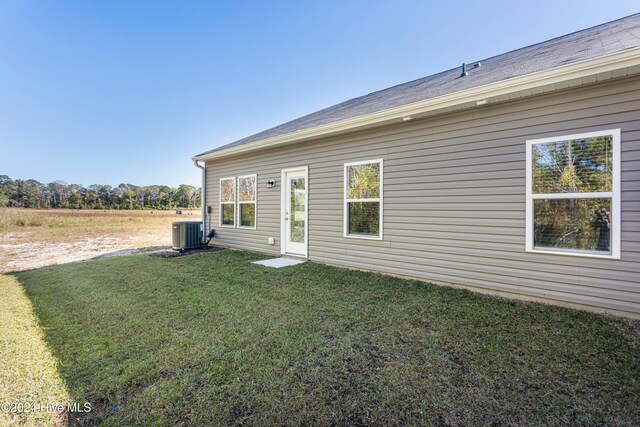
38,238
27,256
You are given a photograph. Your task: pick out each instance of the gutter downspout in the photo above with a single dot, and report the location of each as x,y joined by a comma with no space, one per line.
203,193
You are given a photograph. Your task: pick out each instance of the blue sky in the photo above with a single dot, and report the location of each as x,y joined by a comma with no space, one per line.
127,91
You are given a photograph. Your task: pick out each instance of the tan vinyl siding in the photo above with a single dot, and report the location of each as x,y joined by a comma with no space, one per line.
454,197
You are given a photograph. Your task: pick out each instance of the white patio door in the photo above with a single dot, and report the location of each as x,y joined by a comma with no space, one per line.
294,211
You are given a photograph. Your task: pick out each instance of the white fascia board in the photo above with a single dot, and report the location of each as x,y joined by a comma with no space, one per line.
603,64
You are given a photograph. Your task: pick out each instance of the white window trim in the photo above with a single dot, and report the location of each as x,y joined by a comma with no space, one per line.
254,202
614,195
220,202
379,199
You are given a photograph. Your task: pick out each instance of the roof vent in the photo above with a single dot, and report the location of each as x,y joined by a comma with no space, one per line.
464,68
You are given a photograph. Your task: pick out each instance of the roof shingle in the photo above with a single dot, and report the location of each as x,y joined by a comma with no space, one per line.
612,37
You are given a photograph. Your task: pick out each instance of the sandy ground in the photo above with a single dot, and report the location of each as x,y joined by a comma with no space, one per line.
29,247
26,256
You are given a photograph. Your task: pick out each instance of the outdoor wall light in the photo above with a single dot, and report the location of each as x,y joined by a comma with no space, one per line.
271,183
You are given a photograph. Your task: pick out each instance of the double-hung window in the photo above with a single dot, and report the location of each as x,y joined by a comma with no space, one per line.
363,199
573,194
247,201
228,202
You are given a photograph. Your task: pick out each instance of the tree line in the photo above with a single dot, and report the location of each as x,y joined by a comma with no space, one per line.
58,194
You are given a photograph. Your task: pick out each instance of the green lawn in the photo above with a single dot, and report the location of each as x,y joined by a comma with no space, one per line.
212,339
